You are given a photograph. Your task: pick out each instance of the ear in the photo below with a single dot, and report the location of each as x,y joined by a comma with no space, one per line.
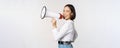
71,14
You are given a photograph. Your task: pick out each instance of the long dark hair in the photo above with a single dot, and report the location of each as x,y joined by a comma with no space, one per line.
72,10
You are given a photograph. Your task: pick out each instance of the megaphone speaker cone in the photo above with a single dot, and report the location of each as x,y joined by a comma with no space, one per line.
43,12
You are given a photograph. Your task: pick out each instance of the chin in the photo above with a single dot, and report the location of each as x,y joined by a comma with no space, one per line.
66,19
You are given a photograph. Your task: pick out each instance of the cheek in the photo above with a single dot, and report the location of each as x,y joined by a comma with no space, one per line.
67,14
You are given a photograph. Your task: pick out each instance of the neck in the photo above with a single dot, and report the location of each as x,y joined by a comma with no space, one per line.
67,19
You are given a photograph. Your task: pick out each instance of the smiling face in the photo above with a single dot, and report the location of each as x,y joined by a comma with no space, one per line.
67,13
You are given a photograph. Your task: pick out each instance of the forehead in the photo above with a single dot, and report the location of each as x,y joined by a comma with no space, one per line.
66,8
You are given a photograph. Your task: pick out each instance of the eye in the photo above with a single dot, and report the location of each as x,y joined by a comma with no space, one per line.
68,11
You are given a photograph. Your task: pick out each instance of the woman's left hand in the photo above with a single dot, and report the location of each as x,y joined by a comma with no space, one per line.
54,23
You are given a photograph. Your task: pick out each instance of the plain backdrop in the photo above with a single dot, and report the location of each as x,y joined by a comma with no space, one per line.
97,23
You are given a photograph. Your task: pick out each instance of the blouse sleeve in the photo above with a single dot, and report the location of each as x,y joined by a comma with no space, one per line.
63,31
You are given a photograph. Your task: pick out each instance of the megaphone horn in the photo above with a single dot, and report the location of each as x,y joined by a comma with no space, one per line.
50,14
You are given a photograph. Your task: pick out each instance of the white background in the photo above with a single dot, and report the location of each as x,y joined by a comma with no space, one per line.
97,23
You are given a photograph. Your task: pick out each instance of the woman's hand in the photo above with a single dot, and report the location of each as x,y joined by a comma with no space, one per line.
54,23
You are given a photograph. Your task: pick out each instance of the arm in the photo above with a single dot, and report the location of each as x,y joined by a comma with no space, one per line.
63,31
60,34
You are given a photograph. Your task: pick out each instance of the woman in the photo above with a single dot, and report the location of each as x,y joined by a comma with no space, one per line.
67,33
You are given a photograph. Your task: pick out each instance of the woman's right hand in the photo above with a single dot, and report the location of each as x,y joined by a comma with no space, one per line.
54,23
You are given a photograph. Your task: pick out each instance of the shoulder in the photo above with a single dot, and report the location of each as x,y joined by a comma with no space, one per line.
69,23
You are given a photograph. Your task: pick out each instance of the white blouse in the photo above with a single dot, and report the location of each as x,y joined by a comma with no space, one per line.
66,33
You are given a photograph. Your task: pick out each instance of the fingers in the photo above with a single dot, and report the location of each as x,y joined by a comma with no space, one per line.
53,20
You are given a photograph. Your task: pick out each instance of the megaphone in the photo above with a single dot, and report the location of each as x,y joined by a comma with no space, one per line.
45,13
